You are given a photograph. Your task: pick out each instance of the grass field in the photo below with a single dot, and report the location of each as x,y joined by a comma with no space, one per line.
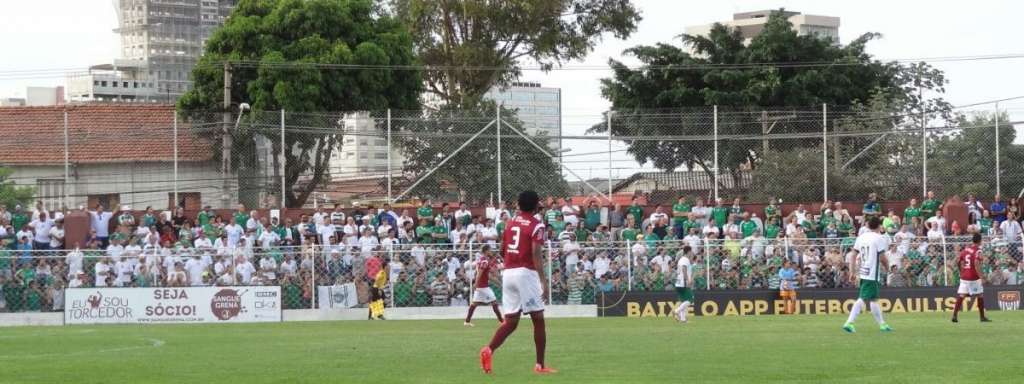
925,348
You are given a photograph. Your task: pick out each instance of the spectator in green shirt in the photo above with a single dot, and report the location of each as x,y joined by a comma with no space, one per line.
747,226
985,223
424,232
911,212
736,208
772,210
19,219
242,215
558,225
629,232
680,215
425,210
720,213
439,233
637,212
930,206
592,217
771,228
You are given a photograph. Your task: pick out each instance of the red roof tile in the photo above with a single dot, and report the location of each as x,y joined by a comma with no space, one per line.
97,133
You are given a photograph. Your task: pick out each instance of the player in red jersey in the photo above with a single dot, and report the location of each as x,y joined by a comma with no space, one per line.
970,279
523,284
483,294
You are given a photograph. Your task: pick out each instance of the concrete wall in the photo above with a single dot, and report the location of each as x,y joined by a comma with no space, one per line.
418,313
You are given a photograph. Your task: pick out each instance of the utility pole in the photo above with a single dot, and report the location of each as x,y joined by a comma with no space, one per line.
225,162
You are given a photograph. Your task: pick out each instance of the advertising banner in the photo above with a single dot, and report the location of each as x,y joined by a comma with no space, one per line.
172,305
337,296
816,301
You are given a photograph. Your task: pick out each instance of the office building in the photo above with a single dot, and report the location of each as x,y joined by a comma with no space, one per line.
538,107
750,24
167,37
121,81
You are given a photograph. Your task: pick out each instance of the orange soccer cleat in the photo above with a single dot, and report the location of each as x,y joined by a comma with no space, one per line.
485,359
540,370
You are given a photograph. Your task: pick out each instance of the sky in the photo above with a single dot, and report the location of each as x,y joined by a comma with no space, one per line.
73,34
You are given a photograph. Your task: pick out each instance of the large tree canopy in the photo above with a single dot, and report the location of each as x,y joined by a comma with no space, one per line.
777,70
268,41
11,194
477,44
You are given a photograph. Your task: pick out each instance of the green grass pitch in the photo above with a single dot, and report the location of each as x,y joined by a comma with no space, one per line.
925,348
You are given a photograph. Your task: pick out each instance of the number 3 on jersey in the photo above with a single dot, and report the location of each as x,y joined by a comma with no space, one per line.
514,247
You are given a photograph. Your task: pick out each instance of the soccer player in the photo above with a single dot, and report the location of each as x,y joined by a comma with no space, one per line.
483,294
868,255
970,278
684,283
523,285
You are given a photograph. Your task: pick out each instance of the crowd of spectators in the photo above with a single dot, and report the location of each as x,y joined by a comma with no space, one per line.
429,250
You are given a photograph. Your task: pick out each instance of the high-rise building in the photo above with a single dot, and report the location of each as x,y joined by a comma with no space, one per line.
539,108
750,24
167,37
364,150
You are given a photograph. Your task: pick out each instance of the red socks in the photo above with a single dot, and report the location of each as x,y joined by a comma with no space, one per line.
469,316
981,306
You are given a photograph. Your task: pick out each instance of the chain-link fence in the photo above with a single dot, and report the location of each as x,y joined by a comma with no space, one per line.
152,155
421,275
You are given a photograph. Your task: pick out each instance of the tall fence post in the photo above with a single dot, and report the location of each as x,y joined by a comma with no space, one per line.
824,150
998,181
924,150
551,260
312,277
388,177
284,160
498,131
67,158
629,265
707,263
716,151
175,205
610,157
945,269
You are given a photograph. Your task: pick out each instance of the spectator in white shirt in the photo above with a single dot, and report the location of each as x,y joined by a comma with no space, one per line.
662,261
101,271
368,243
1011,228
463,214
41,227
711,230
569,213
601,265
74,261
489,233
57,234
234,233
244,269
195,269
936,226
101,224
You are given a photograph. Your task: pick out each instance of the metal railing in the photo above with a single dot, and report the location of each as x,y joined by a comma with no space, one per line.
444,274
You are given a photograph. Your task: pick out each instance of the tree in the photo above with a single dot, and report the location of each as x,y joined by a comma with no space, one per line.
724,71
963,161
472,174
11,194
277,50
477,44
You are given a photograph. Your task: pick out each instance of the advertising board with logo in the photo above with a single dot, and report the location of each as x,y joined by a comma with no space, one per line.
172,305
337,296
816,301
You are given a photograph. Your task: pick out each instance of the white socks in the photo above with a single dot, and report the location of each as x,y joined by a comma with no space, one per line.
876,311
857,307
682,310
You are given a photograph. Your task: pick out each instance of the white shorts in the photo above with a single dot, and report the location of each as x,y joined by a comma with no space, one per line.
521,291
970,287
484,295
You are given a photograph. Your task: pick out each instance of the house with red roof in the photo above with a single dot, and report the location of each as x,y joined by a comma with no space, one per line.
115,154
